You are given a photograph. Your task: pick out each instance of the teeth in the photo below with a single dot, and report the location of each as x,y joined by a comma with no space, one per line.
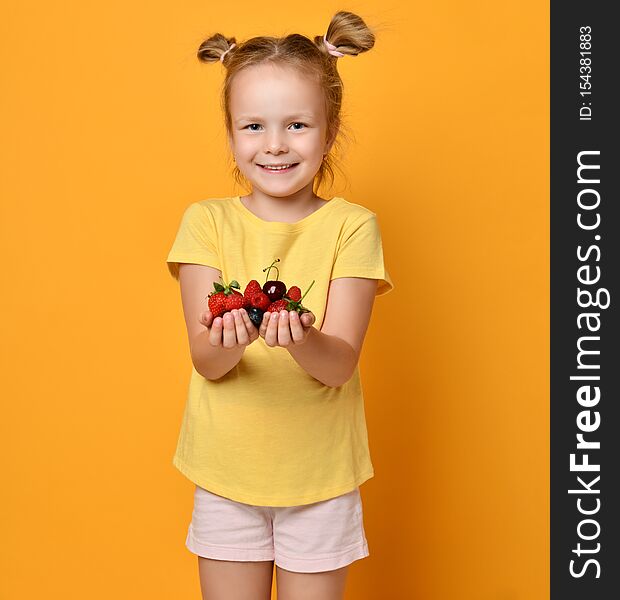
279,168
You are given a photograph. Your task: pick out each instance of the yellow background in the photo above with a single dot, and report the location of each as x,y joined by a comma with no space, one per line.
111,128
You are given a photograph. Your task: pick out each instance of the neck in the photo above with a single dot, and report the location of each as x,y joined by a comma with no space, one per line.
283,208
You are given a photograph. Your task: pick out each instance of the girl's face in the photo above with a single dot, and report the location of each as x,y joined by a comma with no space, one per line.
278,118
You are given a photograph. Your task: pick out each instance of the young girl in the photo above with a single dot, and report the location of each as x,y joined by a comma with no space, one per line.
274,434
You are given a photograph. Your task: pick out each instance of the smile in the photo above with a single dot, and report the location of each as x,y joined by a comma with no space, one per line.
278,168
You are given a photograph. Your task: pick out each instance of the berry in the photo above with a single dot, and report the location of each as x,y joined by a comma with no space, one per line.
294,293
219,298
251,290
261,301
256,315
235,300
296,304
279,305
217,304
274,289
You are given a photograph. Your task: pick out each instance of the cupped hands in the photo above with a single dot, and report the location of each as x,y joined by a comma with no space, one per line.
234,328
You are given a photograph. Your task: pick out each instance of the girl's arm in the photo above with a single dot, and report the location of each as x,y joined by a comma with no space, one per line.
331,353
212,362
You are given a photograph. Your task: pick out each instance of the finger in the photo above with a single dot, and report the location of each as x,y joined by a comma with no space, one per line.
206,318
243,339
215,335
284,329
307,319
251,330
262,330
230,336
271,335
297,331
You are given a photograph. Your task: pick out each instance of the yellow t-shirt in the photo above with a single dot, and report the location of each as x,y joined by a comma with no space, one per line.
267,433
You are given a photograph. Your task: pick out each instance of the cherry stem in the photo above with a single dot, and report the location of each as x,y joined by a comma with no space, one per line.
306,291
272,266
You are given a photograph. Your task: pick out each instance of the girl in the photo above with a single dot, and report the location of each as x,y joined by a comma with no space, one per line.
274,434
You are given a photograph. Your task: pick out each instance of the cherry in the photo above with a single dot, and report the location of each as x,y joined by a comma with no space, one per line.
274,289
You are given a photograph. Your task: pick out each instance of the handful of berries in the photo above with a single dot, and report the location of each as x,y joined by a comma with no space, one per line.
271,297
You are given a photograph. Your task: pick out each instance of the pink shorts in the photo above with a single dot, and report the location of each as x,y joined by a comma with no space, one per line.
309,538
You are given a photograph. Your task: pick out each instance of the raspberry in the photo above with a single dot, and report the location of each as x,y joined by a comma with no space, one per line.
251,290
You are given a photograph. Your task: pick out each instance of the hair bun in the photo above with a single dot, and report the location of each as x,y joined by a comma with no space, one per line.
215,48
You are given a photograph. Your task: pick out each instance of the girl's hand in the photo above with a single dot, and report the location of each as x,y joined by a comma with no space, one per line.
231,330
286,328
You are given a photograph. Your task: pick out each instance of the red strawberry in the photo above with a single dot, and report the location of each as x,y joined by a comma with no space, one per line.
251,290
278,305
235,300
220,300
217,304
294,293
261,301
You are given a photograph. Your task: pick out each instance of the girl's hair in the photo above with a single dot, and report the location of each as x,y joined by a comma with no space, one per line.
347,32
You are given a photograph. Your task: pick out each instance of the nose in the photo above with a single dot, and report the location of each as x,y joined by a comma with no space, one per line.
276,143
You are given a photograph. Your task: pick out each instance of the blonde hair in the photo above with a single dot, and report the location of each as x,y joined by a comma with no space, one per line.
347,32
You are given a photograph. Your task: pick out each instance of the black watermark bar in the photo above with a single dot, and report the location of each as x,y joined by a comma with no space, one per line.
585,270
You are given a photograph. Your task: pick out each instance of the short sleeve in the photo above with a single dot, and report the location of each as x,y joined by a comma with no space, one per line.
361,255
195,241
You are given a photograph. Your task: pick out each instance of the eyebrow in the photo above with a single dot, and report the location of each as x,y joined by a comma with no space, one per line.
288,118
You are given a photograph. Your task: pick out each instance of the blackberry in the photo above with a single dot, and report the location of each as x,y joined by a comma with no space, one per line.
256,315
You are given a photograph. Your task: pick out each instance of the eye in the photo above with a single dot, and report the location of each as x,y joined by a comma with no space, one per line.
251,126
